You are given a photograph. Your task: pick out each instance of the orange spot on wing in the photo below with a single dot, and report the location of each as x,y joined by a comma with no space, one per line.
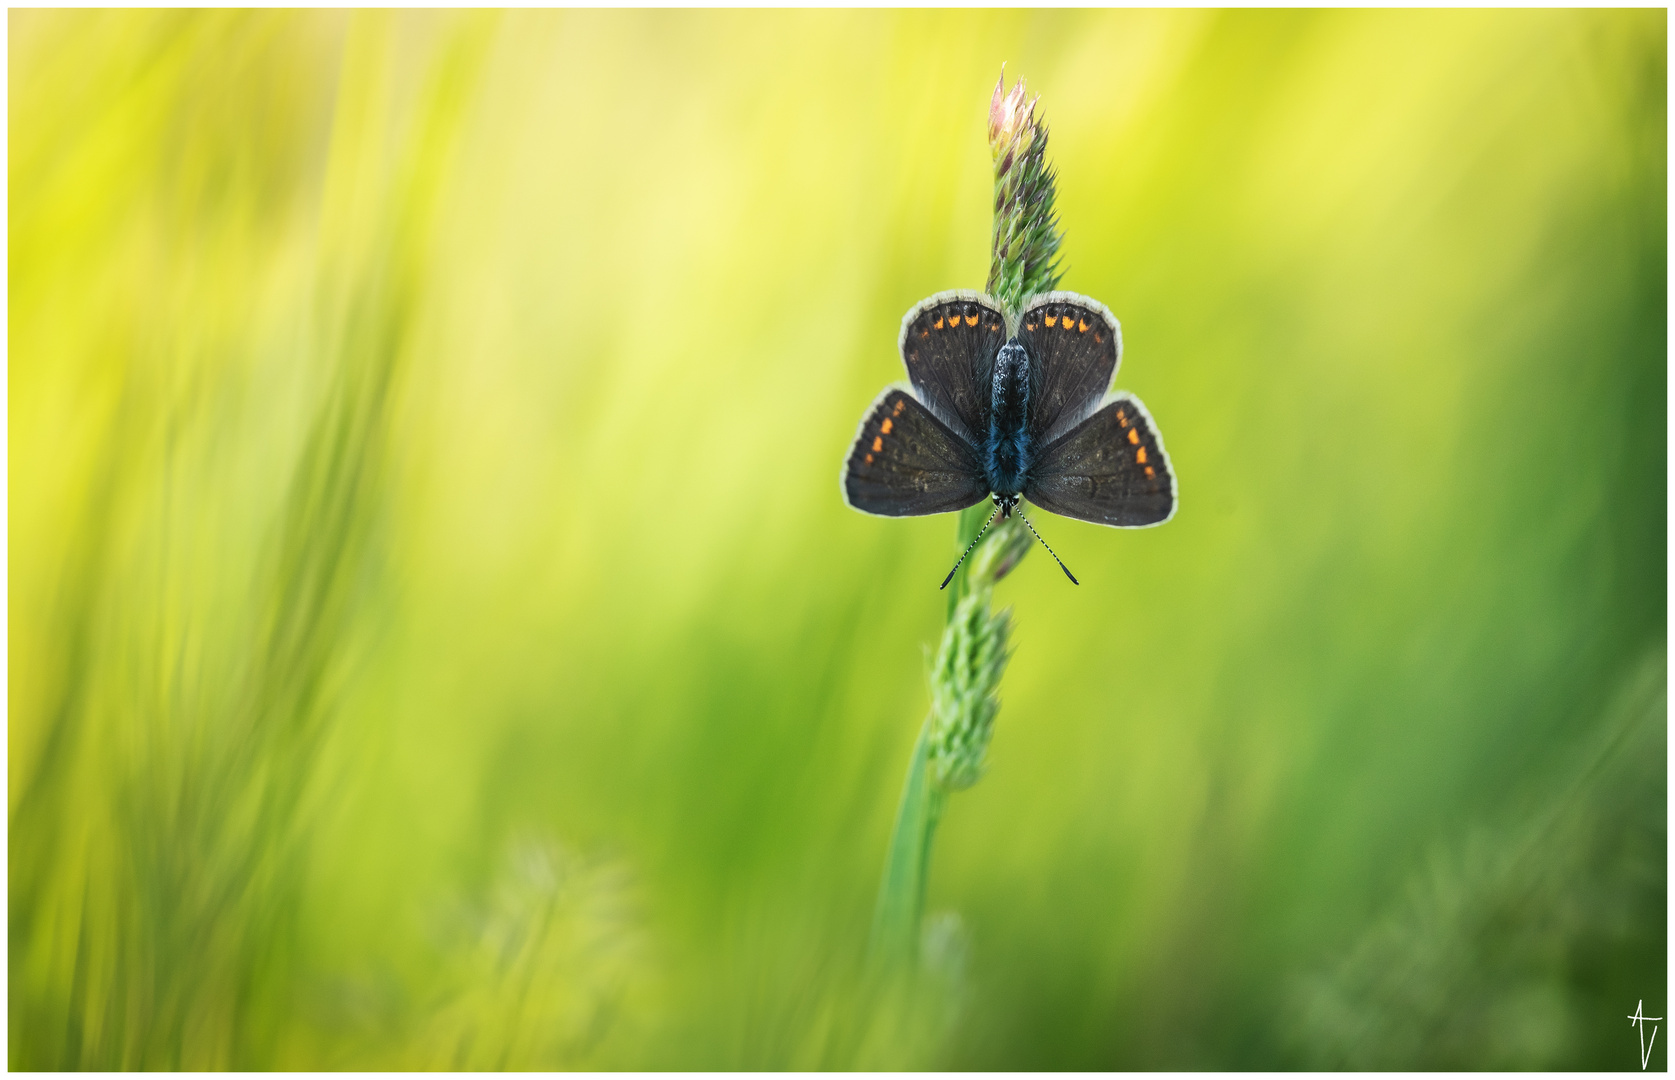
878,444
1133,434
1139,455
1148,467
1121,419
869,461
994,328
1052,320
971,320
1097,336
938,323
897,410
886,428
1070,322
1082,327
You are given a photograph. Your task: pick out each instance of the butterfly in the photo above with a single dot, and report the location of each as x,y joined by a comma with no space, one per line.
1010,406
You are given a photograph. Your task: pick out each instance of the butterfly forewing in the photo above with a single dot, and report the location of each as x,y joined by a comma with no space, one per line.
1074,345
948,343
1110,469
905,462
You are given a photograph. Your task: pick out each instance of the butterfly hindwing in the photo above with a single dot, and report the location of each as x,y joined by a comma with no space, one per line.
1075,345
1110,469
905,462
948,344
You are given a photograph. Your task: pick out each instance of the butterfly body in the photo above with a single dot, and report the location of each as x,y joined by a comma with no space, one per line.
1005,406
1007,447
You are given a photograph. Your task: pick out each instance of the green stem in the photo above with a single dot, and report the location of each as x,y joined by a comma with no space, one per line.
901,896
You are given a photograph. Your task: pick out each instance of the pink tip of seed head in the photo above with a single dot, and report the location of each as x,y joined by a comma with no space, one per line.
1008,115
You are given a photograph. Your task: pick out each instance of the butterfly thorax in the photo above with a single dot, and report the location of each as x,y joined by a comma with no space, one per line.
1007,448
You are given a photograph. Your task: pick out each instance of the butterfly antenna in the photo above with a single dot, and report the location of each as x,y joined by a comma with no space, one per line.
973,544
1050,551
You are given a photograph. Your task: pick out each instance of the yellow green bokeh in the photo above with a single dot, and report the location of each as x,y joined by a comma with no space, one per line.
437,640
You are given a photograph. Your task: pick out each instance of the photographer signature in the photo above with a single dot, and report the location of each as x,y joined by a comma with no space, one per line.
1638,1020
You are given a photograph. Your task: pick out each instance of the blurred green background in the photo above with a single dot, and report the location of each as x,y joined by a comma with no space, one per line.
436,638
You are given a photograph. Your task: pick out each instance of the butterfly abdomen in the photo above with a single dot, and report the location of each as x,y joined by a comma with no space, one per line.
1006,445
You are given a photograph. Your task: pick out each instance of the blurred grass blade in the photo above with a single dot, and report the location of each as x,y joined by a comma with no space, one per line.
182,885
